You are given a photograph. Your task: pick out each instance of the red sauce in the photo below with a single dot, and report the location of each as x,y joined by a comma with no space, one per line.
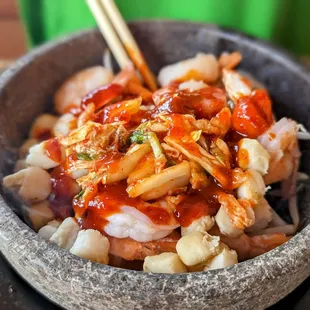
109,200
179,127
252,115
115,113
180,130
271,136
243,157
63,190
119,112
204,103
224,177
232,138
141,117
42,134
198,204
53,150
157,214
102,96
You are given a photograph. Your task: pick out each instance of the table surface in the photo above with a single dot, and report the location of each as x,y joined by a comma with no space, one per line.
16,294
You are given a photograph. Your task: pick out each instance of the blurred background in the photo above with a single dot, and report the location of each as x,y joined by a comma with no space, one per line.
27,23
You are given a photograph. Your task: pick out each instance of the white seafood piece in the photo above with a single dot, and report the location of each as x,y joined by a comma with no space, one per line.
263,215
70,93
66,233
24,149
38,157
202,67
65,124
281,136
20,165
39,214
91,244
225,224
42,124
253,189
252,155
202,224
33,184
192,85
280,140
226,258
54,223
197,248
164,263
136,225
235,84
47,231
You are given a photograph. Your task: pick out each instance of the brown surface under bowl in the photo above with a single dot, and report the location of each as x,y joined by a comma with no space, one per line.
26,90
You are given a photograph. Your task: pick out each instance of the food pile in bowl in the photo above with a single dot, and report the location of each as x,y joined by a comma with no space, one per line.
170,181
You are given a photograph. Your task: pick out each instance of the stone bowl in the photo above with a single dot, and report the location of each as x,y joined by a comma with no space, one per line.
26,90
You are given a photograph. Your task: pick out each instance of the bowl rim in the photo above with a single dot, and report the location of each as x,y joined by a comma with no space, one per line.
11,223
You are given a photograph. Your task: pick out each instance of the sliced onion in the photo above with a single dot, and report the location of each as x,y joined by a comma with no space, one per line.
292,204
276,219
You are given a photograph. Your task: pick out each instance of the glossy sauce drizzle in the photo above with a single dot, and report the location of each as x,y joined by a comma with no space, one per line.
108,201
53,150
204,103
63,190
198,204
252,115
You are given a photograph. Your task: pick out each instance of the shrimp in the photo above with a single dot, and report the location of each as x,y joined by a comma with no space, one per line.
280,140
252,110
70,93
132,223
205,102
250,247
229,60
130,249
202,67
235,84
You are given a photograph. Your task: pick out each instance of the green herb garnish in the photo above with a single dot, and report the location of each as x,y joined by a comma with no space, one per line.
138,136
79,195
84,156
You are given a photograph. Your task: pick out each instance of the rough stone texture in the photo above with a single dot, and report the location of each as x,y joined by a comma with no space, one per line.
26,90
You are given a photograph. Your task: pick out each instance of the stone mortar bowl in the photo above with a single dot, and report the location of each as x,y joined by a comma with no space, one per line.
26,90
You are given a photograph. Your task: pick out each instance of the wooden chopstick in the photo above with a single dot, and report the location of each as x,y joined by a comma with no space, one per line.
109,33
129,42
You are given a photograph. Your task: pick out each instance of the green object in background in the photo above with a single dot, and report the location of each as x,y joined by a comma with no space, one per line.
285,22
